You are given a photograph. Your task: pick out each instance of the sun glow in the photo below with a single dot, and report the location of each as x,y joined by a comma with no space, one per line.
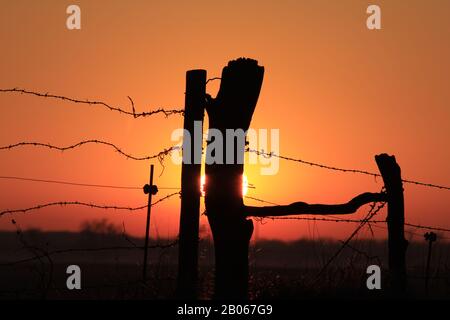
244,185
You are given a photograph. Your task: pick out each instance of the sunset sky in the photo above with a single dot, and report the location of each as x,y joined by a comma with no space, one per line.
338,92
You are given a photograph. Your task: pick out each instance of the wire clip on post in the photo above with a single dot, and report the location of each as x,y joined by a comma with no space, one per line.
153,189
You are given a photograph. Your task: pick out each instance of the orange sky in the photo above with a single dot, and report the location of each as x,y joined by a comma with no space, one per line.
338,92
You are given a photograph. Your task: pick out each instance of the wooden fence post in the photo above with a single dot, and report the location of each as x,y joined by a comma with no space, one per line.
390,171
232,108
149,189
195,96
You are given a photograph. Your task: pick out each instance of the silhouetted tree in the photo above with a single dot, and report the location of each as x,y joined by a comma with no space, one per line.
100,226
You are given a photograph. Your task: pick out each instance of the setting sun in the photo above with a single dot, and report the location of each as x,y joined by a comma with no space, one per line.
244,185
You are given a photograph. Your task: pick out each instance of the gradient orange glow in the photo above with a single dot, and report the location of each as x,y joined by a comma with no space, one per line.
338,92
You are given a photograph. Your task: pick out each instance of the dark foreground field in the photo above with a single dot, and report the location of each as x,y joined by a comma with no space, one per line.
33,266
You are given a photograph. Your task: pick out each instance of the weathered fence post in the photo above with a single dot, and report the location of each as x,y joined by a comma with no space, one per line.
149,189
430,237
390,171
195,96
232,109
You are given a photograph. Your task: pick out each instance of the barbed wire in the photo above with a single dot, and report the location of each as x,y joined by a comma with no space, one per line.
119,285
364,253
133,113
427,227
38,254
337,219
374,209
98,249
84,204
424,184
356,221
412,233
324,219
180,111
160,155
323,166
272,154
82,184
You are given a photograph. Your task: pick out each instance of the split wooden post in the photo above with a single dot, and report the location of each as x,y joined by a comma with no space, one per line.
195,97
390,171
232,109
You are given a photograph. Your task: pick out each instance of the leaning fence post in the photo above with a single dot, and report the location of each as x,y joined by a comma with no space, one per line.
430,237
149,189
390,171
190,183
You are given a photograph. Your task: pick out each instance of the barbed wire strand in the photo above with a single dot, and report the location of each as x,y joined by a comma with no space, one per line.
160,155
426,227
85,204
372,212
72,250
338,219
324,219
180,111
166,112
355,221
81,184
313,164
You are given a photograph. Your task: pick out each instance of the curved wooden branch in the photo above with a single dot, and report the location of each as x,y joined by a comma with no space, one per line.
320,209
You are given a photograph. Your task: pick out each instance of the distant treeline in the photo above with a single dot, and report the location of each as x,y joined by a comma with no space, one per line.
115,246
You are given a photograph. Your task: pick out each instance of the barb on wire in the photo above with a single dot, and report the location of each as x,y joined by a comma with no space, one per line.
81,184
160,155
166,112
313,164
78,203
